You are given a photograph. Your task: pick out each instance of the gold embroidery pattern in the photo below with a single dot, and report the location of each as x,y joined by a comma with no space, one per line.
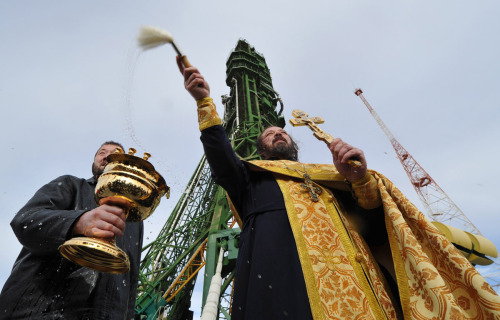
374,274
207,113
329,259
441,283
435,280
367,193
366,190
335,280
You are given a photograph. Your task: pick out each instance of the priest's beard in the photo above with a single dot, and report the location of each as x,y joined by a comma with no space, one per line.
283,151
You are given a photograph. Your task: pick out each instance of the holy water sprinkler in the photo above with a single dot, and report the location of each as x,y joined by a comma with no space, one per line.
152,37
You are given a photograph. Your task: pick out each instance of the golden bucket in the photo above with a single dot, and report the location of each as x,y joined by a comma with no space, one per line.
131,183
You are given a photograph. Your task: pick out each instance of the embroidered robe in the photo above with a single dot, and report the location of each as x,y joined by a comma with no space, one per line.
341,276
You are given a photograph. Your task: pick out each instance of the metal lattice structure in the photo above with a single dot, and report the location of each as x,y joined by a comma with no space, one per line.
201,222
438,205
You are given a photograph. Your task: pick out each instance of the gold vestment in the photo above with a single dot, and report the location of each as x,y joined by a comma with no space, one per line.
342,278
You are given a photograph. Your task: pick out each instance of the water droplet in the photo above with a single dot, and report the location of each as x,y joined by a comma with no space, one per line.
270,286
248,261
259,276
25,227
59,184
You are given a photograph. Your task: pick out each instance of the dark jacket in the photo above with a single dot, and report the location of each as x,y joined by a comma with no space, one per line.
43,284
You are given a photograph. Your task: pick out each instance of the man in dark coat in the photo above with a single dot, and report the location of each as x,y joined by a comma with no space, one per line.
43,284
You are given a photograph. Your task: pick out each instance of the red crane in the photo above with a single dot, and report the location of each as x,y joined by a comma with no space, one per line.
442,209
437,204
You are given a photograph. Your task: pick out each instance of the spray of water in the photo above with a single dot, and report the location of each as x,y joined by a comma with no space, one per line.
161,164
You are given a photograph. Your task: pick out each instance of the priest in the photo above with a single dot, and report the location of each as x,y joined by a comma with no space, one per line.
323,241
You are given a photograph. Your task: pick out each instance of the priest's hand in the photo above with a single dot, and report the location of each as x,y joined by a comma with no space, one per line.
105,221
194,82
342,152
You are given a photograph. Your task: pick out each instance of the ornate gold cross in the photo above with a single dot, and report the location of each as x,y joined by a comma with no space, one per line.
309,186
302,119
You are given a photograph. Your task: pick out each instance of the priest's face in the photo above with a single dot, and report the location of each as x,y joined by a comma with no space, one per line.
275,143
100,158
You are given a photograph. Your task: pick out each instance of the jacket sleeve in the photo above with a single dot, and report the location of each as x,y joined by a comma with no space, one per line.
227,169
134,274
46,221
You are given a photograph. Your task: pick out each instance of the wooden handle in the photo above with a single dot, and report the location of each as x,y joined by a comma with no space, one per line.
185,62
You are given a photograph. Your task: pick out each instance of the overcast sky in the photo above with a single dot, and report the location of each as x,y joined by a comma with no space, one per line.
72,76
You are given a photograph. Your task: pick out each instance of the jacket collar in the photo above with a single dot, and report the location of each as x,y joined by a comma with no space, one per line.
92,181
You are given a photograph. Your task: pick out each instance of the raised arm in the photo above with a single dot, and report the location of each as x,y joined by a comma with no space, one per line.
227,169
194,82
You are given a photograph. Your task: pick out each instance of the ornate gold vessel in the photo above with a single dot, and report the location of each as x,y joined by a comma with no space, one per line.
131,183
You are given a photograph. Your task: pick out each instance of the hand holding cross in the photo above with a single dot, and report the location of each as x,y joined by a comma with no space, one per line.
302,119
